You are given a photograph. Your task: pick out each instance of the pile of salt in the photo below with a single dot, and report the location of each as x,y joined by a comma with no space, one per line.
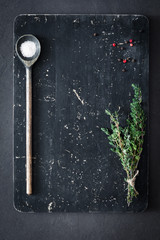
28,49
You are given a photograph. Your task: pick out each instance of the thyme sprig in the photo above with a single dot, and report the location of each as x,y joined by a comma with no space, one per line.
127,142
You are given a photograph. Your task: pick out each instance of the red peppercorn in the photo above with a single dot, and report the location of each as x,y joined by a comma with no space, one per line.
124,60
130,40
114,44
131,44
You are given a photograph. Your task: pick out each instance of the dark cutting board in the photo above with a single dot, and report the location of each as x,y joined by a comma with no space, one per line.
76,78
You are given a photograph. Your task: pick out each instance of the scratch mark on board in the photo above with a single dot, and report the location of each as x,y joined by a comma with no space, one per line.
81,100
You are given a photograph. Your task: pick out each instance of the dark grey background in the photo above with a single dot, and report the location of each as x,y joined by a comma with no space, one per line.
14,225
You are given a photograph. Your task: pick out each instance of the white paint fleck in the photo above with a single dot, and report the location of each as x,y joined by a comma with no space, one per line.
51,205
76,20
51,165
59,164
49,99
82,101
79,115
18,157
45,19
37,19
76,128
67,151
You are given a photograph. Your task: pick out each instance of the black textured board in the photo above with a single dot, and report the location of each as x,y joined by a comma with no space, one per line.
77,77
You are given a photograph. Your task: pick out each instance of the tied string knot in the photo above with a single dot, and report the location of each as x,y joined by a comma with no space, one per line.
131,181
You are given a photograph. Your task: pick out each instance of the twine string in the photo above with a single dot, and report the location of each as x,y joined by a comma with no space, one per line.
131,181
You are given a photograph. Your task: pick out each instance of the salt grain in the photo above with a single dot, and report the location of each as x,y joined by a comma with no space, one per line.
28,49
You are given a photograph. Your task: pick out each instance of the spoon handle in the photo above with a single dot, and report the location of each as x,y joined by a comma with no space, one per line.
29,130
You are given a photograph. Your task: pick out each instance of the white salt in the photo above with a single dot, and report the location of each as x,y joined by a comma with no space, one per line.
28,49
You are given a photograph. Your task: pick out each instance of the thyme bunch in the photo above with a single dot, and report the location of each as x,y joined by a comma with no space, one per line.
127,142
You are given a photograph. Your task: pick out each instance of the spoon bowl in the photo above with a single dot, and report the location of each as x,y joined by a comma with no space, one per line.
28,61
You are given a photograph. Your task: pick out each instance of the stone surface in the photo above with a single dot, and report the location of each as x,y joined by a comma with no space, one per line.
77,76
